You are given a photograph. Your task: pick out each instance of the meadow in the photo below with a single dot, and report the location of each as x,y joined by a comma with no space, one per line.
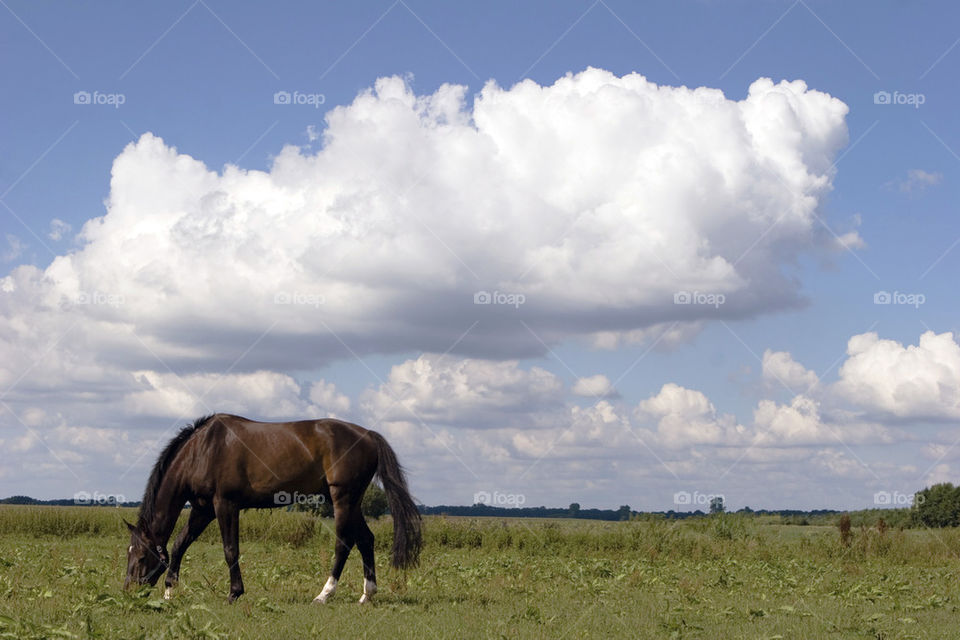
726,576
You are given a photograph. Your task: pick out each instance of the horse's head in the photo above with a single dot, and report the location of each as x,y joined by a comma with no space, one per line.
146,558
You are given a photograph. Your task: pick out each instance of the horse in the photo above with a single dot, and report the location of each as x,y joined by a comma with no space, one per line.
223,463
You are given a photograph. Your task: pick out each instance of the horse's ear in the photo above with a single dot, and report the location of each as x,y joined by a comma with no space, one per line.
129,526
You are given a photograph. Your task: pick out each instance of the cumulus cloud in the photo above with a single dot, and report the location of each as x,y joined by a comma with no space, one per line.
601,427
686,417
919,381
480,394
800,423
324,394
779,368
261,393
596,198
597,386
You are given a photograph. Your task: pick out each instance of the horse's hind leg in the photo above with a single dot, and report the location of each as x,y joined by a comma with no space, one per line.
344,504
200,517
365,545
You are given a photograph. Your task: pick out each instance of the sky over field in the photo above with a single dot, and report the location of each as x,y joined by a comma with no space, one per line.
595,252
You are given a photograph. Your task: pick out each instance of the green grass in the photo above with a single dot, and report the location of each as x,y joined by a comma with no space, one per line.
727,577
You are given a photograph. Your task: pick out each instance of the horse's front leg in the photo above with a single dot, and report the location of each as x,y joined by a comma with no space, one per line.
228,517
200,517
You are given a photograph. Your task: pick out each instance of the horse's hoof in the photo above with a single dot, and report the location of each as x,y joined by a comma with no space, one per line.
168,593
369,588
328,590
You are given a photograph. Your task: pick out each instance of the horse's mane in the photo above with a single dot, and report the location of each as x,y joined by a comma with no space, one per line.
148,506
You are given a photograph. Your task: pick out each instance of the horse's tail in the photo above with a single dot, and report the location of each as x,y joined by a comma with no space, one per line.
407,537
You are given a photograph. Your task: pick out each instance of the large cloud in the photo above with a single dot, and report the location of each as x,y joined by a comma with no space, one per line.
596,199
584,206
919,381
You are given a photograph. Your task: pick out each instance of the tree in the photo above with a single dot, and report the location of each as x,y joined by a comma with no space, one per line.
374,501
938,506
624,512
574,509
716,504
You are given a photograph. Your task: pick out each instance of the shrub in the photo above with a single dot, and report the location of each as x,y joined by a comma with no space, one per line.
844,526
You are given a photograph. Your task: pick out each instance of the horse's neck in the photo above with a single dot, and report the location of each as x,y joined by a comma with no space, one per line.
167,506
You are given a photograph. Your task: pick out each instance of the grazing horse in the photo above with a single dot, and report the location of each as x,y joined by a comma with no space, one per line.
224,463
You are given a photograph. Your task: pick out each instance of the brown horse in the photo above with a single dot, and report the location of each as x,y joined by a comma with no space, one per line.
224,463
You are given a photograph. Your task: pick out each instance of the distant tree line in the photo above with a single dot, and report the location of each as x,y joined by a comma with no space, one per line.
935,506
573,511
67,502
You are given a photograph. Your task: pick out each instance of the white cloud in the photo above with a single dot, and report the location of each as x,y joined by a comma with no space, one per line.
265,394
919,180
686,417
13,250
664,336
800,423
850,240
915,381
449,391
779,368
597,198
324,394
600,427
596,386
58,229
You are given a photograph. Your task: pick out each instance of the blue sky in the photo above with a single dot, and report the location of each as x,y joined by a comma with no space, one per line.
202,76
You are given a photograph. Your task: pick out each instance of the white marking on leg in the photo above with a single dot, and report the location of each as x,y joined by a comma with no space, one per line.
167,593
369,588
328,590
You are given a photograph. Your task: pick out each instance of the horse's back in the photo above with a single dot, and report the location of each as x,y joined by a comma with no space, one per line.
262,458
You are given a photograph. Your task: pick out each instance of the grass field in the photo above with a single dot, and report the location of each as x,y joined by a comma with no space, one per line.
716,577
